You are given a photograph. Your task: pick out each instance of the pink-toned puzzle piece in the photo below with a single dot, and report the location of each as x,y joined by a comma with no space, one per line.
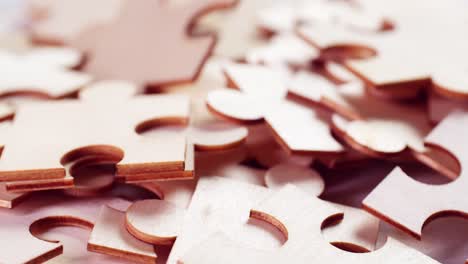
43,211
410,41
63,21
45,72
414,204
179,55
72,129
262,97
300,220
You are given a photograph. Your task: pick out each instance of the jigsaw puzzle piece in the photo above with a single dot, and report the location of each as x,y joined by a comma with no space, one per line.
44,211
425,202
43,72
299,219
121,116
179,57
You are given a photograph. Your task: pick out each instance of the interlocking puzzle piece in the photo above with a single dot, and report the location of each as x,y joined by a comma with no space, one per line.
46,210
413,204
158,55
10,199
444,239
63,21
369,125
410,42
286,16
43,72
440,107
300,220
262,97
98,125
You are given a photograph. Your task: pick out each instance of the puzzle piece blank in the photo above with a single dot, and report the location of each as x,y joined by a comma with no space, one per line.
44,72
262,98
411,41
414,204
299,219
176,56
98,125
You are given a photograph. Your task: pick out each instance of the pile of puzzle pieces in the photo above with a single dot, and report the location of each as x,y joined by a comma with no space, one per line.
233,131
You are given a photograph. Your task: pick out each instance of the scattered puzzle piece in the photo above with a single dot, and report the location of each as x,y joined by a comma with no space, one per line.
43,72
176,54
411,42
262,98
300,220
98,125
44,211
413,204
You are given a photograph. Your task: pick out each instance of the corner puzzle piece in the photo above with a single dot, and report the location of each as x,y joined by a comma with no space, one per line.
300,220
286,16
43,72
413,204
444,239
98,125
176,55
111,238
262,97
411,41
46,210
63,21
369,125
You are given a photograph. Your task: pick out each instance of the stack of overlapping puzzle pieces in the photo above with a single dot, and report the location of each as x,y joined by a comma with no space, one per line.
233,131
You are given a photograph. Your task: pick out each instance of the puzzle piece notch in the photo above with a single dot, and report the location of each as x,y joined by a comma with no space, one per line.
424,207
188,53
300,219
64,116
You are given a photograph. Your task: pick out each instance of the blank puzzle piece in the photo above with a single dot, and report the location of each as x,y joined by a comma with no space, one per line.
46,72
179,55
370,125
401,65
97,125
45,211
286,16
63,21
300,219
212,209
414,204
262,97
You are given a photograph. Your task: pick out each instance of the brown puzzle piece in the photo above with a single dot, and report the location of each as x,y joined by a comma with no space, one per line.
408,58
300,220
120,50
409,204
